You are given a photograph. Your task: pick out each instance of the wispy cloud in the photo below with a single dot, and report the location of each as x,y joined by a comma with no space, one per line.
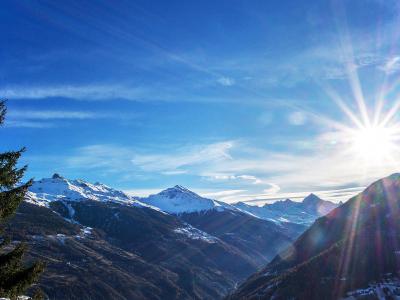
235,171
53,114
186,156
79,92
226,81
48,118
259,175
28,124
392,65
229,177
335,195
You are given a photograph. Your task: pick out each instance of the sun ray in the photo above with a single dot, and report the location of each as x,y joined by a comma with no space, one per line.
349,64
338,100
392,112
380,101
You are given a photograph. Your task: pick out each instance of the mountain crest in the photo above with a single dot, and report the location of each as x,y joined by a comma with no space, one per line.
57,176
311,199
58,188
178,199
177,191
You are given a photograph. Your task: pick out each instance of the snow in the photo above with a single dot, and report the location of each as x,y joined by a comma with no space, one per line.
196,234
385,289
174,200
58,188
71,211
178,200
285,211
61,238
85,232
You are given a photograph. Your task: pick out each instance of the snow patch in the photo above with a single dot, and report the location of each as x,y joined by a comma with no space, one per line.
196,234
85,232
388,288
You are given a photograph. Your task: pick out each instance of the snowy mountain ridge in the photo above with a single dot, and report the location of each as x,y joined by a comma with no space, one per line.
175,200
304,212
58,188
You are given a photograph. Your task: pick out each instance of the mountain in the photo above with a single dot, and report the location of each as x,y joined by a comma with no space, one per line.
351,253
58,188
259,239
100,243
305,212
179,200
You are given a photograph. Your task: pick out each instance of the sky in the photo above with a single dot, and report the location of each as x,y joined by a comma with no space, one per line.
237,100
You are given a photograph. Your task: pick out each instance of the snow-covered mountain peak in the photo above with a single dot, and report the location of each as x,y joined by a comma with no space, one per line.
59,188
176,191
179,199
304,212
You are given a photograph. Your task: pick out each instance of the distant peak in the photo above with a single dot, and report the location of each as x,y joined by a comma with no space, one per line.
180,187
311,198
176,190
57,176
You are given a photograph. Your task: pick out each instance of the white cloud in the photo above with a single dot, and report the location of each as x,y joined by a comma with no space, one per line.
231,177
273,189
109,158
52,114
221,195
259,174
392,65
80,92
47,118
185,156
226,81
335,195
142,192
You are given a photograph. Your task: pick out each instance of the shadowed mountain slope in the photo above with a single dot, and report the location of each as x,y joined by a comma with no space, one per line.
351,248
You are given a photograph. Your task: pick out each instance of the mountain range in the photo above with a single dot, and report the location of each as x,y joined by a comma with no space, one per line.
353,252
100,243
305,212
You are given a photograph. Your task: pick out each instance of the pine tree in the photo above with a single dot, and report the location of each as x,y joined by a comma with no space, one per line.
15,276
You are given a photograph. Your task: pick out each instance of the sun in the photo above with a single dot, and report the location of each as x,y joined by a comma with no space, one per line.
370,135
373,143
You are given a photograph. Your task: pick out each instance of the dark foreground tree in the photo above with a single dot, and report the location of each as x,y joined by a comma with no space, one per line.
15,276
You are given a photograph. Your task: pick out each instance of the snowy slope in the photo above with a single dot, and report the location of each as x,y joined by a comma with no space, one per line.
173,200
305,212
58,188
177,200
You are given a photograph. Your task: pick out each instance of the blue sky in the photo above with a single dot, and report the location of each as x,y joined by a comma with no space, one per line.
238,100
